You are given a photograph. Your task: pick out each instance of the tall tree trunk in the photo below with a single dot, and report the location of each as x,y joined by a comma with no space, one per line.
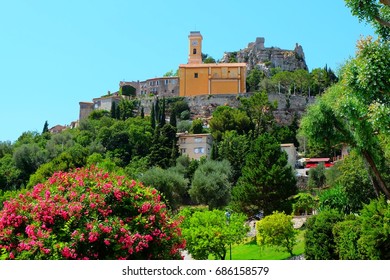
378,177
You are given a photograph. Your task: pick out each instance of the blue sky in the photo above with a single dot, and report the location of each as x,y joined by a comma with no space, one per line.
54,54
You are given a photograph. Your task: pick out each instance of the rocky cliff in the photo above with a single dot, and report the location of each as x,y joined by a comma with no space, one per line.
256,55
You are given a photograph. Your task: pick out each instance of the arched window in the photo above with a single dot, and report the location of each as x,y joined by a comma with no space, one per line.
194,51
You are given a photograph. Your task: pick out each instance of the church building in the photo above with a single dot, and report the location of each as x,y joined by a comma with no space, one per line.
198,78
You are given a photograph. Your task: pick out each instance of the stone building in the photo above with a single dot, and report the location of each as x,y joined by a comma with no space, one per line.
197,78
195,145
162,86
100,103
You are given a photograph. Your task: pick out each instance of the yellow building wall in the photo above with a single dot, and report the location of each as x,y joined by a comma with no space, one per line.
224,86
212,79
189,85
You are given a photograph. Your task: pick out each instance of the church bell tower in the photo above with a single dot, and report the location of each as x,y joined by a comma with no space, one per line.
195,48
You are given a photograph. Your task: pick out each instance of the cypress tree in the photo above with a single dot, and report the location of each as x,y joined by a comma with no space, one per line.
172,119
142,112
162,117
45,128
214,151
118,112
157,111
113,110
153,117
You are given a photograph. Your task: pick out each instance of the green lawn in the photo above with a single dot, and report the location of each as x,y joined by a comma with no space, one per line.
251,251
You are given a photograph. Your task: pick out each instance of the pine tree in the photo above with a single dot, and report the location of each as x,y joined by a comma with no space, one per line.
267,181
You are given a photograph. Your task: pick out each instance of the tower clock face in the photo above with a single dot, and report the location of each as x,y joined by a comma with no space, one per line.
194,43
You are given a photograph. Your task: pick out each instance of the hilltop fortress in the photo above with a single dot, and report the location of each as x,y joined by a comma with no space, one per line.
256,55
223,81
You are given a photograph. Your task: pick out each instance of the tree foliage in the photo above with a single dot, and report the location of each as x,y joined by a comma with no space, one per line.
334,198
304,203
277,230
170,183
28,158
344,113
163,151
317,177
376,12
234,148
197,126
259,110
45,128
355,181
253,80
211,184
128,90
365,236
346,235
228,119
210,233
319,239
267,182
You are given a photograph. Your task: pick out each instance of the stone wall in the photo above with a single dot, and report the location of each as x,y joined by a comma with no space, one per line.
202,106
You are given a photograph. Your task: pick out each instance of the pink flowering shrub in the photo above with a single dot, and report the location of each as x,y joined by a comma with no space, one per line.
88,214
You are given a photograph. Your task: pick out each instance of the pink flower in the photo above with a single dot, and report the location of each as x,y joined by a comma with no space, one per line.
68,253
30,231
117,194
93,236
157,208
145,207
46,251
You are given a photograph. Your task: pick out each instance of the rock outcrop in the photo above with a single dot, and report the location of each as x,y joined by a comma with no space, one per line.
256,55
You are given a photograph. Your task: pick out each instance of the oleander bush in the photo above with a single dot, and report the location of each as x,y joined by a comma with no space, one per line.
88,214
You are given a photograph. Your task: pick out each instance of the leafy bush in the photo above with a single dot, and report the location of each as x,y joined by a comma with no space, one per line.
319,241
366,236
88,214
346,234
305,203
184,126
374,242
334,198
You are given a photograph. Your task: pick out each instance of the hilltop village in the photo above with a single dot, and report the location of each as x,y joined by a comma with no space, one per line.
208,85
223,81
